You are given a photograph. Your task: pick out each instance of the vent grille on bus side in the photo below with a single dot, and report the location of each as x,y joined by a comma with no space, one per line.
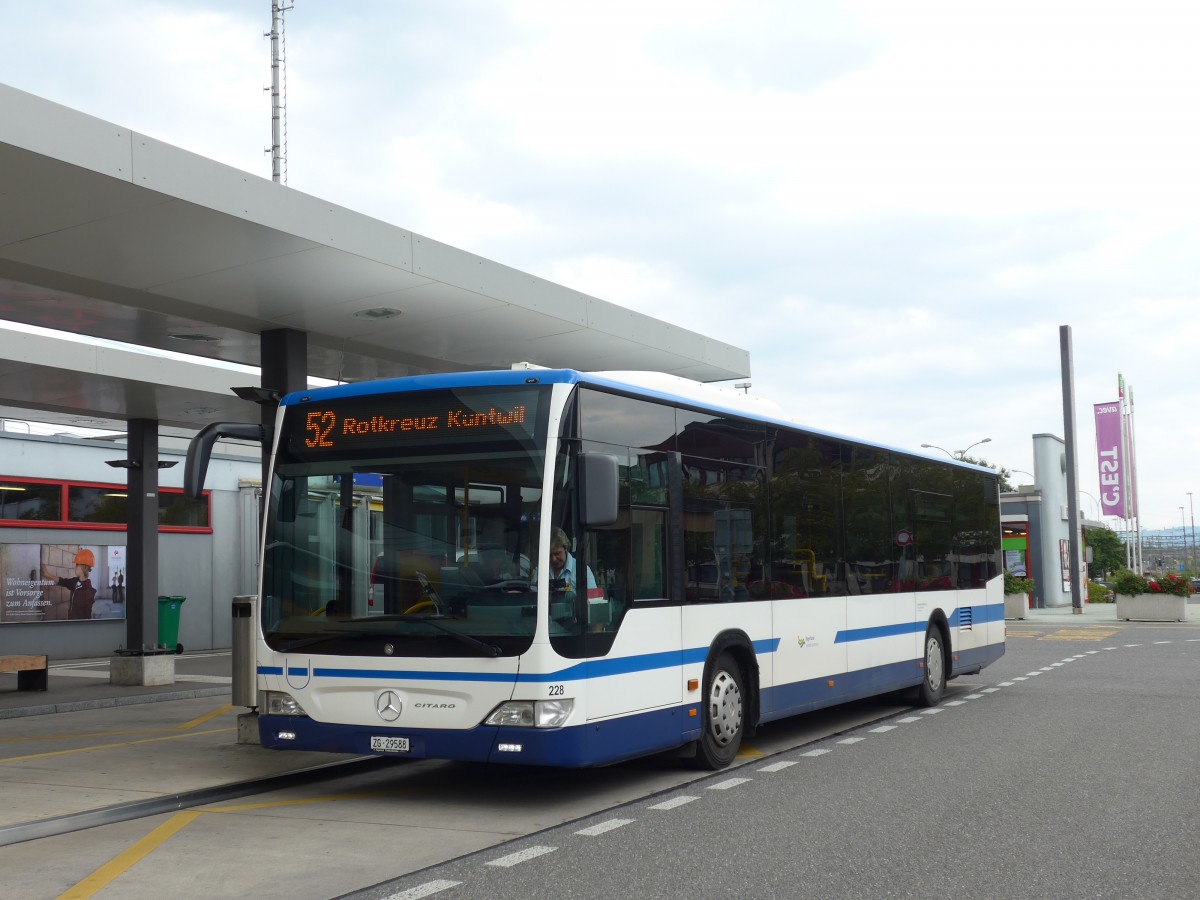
966,616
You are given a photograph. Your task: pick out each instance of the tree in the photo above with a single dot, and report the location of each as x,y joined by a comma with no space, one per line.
1005,484
1108,553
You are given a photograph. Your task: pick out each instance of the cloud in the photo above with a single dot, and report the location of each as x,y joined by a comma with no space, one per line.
892,206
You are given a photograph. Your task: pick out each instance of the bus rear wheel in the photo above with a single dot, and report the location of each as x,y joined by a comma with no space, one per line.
933,685
724,717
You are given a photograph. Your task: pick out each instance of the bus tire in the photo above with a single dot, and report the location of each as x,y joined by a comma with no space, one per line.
933,683
724,715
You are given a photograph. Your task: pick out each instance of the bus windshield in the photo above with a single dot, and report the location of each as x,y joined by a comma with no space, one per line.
405,544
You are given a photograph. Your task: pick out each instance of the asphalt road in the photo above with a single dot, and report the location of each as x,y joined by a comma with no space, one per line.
1068,769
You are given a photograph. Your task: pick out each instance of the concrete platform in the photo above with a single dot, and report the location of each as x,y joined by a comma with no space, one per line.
86,744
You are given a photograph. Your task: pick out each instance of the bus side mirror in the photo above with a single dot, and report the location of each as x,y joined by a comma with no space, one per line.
200,451
599,475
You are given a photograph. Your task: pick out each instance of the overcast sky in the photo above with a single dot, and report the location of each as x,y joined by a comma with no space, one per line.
892,205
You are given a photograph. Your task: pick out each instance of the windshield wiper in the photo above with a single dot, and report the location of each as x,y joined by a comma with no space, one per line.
289,646
482,646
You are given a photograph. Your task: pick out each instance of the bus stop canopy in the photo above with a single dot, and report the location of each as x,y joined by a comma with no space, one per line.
117,237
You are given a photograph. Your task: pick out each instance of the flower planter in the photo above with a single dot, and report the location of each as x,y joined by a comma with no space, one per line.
1016,606
1152,607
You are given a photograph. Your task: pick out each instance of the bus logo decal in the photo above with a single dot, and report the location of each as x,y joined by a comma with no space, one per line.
389,706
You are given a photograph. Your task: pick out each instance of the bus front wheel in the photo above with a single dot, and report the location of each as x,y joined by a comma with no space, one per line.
933,685
724,715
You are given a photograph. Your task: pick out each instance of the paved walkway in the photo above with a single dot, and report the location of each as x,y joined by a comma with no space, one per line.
1097,612
81,684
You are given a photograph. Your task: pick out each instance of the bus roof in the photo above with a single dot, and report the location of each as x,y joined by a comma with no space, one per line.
655,385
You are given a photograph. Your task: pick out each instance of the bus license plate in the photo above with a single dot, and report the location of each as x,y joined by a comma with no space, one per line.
389,744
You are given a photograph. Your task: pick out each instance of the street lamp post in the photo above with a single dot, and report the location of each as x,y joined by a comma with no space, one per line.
962,453
1192,508
1183,532
957,454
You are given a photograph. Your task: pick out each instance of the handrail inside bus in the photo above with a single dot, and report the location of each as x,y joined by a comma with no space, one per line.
200,450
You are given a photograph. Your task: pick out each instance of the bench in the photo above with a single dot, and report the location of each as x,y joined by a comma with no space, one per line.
32,671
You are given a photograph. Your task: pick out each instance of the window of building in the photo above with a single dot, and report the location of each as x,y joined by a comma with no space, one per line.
30,501
40,503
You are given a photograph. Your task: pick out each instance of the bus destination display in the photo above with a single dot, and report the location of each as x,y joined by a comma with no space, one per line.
441,416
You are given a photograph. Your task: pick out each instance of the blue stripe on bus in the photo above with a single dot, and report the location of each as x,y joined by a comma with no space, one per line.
980,615
624,665
592,668
878,631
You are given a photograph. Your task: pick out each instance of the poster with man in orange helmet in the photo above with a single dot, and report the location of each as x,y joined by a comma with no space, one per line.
61,582
81,592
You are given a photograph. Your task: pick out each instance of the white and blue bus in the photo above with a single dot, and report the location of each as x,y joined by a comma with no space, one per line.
730,568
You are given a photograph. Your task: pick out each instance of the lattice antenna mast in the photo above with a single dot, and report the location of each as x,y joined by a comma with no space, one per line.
278,89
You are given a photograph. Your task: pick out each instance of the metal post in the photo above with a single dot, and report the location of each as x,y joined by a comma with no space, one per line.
283,357
276,106
1192,555
244,683
1183,544
1068,394
141,583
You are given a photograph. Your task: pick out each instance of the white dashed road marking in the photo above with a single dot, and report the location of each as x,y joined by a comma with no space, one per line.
674,802
428,889
779,766
603,827
515,859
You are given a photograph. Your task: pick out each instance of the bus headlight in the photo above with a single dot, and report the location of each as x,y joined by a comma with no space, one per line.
278,703
531,713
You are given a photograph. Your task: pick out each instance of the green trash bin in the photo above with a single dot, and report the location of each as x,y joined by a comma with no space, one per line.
168,622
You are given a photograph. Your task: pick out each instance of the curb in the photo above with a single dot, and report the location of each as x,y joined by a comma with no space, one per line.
110,702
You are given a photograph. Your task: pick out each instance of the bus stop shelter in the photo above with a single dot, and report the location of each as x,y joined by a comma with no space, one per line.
129,250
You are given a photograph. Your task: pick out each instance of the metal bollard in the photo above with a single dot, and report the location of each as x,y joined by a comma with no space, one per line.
245,630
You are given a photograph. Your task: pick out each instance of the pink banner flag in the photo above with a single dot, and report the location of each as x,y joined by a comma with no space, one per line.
1111,459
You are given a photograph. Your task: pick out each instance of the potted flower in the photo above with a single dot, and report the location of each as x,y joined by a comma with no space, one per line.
1016,595
1151,599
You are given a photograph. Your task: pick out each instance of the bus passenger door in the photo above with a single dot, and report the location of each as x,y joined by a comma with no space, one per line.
634,630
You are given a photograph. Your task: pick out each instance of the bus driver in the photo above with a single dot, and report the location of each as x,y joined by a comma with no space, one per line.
563,566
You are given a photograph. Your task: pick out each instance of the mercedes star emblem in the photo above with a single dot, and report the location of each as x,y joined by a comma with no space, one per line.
388,705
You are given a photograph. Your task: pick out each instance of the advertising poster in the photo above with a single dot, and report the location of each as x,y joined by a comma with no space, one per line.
1110,458
61,582
1014,561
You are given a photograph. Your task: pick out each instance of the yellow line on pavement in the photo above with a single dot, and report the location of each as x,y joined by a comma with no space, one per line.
748,752
1083,633
220,711
123,862
53,753
277,804
82,734
186,726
